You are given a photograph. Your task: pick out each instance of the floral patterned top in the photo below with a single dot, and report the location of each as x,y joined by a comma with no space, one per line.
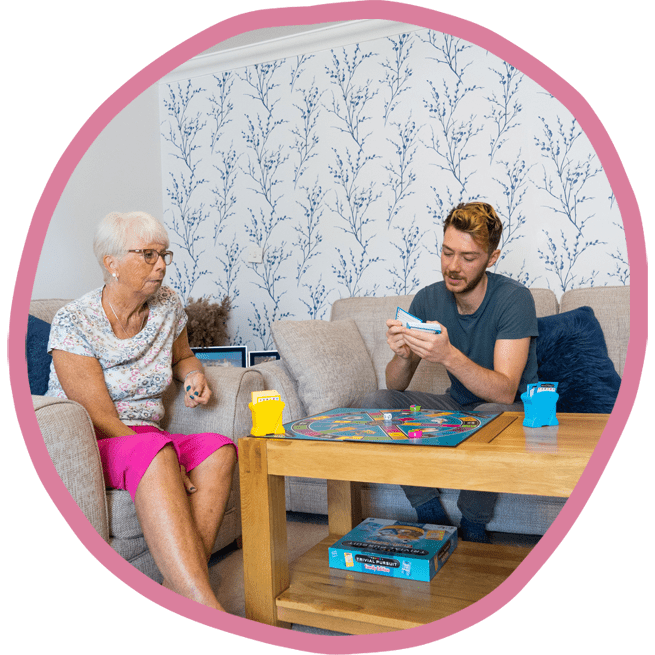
137,370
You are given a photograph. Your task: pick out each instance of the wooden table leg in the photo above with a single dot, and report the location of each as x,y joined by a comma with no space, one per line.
344,506
265,552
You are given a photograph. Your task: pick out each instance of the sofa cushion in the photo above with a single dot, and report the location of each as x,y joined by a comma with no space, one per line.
37,356
611,307
571,350
328,359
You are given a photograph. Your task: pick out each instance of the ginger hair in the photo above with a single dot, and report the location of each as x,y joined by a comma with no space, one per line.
479,219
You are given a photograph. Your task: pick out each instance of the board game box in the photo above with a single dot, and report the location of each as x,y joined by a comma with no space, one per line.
414,551
416,427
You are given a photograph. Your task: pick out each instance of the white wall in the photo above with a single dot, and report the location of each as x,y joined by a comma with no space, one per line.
121,171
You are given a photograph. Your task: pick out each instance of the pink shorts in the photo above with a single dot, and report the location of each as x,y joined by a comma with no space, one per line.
125,459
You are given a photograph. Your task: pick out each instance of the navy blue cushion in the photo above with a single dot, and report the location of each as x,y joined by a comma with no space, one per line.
571,350
36,353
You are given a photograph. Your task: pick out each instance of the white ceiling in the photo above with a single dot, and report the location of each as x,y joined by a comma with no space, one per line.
263,35
273,43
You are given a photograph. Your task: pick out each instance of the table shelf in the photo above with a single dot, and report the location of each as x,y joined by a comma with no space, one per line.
361,603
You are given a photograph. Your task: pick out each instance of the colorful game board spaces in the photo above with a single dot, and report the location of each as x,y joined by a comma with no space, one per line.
409,426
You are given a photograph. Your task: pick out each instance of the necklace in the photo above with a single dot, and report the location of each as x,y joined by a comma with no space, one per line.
121,324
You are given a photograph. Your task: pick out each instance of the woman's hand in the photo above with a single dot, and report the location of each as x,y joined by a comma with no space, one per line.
186,481
187,367
196,389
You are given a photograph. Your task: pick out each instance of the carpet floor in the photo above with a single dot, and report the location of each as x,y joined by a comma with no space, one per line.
226,566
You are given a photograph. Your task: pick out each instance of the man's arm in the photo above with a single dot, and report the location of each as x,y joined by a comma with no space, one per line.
401,368
501,384
399,372
497,386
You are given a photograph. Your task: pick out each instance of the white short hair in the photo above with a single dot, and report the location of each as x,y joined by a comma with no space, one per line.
116,229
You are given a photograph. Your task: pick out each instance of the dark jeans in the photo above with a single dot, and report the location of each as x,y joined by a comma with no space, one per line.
476,506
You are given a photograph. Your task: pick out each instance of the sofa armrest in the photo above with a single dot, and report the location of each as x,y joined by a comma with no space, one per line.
227,412
276,376
71,442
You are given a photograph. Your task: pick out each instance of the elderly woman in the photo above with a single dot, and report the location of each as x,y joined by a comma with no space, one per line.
115,351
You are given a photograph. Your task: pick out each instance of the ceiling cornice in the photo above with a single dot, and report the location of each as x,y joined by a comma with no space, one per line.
305,43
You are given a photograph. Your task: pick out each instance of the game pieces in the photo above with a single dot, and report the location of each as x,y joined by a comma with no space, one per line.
539,402
266,408
414,323
415,434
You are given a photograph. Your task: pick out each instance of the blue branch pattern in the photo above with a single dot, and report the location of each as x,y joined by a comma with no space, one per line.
342,164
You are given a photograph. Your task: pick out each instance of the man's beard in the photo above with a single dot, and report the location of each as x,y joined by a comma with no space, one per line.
471,284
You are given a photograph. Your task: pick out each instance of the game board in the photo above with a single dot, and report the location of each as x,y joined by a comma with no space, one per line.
437,427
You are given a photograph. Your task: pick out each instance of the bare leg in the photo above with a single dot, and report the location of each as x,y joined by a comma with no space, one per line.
213,481
165,516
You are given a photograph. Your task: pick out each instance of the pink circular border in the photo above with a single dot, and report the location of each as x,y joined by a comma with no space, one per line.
405,13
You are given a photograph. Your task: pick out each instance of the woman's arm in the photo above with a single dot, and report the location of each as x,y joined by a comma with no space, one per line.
188,369
83,381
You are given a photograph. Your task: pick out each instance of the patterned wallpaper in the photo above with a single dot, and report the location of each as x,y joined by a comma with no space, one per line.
341,165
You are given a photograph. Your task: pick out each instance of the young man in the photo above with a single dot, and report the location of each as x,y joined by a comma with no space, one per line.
487,344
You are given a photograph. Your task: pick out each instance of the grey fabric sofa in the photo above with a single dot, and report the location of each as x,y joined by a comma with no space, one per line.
327,364
318,352
71,443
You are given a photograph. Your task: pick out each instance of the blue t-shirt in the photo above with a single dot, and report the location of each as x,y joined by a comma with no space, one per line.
507,312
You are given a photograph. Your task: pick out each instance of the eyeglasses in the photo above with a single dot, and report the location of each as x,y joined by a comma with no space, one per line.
151,256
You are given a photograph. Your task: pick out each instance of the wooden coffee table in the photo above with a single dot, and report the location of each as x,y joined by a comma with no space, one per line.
503,457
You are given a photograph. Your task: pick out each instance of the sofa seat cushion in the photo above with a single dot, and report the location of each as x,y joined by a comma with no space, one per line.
328,359
571,350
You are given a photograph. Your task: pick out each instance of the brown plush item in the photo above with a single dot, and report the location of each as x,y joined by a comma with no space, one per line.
207,324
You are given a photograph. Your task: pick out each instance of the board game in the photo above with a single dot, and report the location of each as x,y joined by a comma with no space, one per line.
415,551
419,427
